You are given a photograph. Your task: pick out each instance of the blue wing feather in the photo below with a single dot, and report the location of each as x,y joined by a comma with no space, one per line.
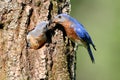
83,34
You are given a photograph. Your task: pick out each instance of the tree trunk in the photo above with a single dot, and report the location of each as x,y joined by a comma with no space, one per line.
55,60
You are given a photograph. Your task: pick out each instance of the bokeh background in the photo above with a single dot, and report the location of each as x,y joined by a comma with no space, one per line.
101,18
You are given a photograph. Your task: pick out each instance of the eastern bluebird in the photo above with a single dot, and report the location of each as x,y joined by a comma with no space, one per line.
37,37
75,31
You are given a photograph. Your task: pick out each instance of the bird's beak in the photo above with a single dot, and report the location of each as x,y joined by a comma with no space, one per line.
51,23
53,20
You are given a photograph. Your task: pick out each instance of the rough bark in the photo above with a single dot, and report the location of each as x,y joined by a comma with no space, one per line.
54,61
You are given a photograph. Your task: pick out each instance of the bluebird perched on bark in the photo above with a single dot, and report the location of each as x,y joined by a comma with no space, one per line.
37,37
75,31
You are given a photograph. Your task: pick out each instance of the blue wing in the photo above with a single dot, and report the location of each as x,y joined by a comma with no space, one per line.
80,31
83,34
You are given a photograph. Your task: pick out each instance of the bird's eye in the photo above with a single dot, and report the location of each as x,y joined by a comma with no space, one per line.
59,16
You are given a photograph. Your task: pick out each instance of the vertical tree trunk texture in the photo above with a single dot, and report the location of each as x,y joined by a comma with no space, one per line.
55,60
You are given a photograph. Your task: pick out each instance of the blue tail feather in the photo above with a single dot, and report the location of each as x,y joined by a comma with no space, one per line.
90,53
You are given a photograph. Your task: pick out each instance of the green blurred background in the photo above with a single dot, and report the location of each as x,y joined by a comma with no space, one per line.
102,20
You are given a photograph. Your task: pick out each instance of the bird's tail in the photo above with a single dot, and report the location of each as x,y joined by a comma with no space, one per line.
90,53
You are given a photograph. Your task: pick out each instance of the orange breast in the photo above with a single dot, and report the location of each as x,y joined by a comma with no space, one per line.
70,31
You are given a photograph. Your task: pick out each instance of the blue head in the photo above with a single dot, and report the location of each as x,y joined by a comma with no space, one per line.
61,18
